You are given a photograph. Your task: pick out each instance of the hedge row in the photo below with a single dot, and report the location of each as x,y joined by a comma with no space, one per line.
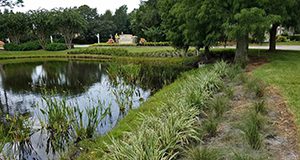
101,51
113,44
156,44
56,47
34,45
294,37
124,52
28,46
144,44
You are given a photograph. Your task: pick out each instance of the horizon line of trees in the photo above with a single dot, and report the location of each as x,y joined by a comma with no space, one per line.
81,24
185,23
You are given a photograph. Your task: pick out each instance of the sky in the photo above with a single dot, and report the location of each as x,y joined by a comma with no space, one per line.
101,5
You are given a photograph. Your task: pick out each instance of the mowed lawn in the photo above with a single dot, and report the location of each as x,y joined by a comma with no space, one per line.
283,72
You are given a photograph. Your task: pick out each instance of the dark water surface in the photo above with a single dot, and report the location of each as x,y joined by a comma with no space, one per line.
84,84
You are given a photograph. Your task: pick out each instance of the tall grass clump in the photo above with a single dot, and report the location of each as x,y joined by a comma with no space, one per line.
256,86
210,126
158,137
203,153
218,105
252,126
259,107
239,156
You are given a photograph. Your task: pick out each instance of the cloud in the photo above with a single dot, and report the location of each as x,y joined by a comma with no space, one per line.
101,5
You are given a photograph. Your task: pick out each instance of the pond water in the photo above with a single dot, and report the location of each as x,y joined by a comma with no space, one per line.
26,87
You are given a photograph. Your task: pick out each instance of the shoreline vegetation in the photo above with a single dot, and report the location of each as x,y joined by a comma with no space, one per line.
206,105
200,103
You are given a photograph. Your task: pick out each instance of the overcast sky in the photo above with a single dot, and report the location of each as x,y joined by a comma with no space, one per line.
101,5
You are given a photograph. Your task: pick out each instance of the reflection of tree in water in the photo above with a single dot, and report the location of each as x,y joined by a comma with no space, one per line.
63,76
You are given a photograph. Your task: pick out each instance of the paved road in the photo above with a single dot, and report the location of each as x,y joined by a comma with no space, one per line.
279,47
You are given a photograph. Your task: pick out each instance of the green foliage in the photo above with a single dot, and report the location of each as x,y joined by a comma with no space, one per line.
145,22
281,39
158,137
101,51
218,104
294,38
14,25
210,126
156,44
56,47
121,20
16,129
28,46
203,153
260,107
124,52
42,26
68,22
256,86
92,18
242,157
251,128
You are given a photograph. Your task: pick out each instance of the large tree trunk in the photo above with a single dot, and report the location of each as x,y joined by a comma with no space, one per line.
68,41
241,53
272,40
42,40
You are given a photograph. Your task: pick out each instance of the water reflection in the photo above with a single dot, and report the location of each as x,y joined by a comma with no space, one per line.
119,87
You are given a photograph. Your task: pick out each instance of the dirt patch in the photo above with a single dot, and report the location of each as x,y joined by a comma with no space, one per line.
284,142
255,62
279,134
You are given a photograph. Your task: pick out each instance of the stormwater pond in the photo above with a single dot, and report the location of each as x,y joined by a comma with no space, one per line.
47,106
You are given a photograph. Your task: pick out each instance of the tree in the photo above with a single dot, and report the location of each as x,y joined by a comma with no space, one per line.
121,20
41,25
286,13
107,26
247,21
14,25
146,21
93,22
202,27
10,3
69,23
172,25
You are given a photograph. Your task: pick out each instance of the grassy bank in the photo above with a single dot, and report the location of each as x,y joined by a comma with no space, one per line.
41,55
187,118
132,122
282,71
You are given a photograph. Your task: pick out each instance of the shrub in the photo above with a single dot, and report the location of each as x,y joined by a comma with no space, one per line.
28,46
294,37
101,51
281,39
201,153
55,47
157,137
11,47
31,46
156,44
111,45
